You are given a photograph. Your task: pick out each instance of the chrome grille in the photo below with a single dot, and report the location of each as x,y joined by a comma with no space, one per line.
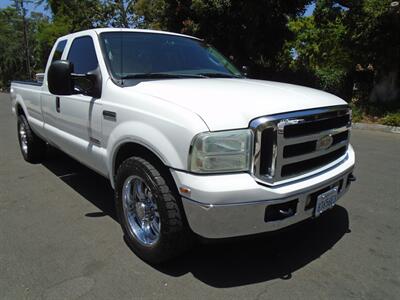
298,144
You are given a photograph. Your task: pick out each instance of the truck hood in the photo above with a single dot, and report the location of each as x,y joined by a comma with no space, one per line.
233,103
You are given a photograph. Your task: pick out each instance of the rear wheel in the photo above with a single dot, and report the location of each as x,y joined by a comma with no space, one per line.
32,147
150,213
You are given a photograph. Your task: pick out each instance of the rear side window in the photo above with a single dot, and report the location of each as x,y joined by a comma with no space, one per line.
59,50
83,55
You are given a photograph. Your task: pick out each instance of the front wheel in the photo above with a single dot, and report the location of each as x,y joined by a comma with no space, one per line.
150,213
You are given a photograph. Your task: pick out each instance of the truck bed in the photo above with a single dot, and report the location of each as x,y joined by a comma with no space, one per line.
27,82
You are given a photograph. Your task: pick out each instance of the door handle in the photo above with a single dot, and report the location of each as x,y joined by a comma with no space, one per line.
58,104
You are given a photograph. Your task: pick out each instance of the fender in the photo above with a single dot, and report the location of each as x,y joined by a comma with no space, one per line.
36,125
154,140
17,100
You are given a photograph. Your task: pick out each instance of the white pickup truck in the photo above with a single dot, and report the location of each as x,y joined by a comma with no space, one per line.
190,146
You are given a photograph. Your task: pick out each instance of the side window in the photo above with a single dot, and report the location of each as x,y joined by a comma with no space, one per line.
83,55
59,50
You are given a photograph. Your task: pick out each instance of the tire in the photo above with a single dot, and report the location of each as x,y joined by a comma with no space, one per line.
32,147
156,244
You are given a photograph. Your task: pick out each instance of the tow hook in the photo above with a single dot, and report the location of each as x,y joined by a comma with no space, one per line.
281,211
287,213
351,178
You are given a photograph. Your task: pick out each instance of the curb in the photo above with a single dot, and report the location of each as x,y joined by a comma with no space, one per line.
376,127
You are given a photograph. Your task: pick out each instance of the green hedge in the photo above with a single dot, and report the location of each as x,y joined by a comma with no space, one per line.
392,119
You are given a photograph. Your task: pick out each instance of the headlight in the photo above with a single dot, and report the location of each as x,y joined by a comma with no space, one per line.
224,151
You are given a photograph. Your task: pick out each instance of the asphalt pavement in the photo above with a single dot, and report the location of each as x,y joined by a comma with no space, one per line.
59,238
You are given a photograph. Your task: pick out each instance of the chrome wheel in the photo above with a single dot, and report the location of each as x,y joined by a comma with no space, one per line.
141,211
23,138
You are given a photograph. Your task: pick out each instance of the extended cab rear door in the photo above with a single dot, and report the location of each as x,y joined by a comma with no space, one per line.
77,118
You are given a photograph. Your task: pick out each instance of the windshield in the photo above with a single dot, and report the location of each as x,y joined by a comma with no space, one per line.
135,54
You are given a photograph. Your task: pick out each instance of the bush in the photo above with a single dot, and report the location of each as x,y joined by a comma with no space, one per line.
357,113
392,119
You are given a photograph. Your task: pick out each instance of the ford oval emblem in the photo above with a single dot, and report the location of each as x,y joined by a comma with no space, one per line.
325,142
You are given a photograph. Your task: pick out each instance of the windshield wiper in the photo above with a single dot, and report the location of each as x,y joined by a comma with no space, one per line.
160,76
219,75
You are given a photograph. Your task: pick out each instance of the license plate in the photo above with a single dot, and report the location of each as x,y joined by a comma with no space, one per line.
326,201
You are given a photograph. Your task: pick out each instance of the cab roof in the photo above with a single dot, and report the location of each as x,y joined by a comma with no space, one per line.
101,30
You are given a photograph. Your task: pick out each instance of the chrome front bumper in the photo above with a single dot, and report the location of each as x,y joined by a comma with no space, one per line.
235,205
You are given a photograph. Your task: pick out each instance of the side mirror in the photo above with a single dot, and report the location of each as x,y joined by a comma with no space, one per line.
63,81
60,79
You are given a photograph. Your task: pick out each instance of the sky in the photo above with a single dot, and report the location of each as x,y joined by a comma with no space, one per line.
29,6
309,9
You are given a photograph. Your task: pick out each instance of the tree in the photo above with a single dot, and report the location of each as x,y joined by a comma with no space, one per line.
375,43
15,34
20,7
121,13
347,42
350,48
79,15
11,49
67,17
252,32
48,31
319,47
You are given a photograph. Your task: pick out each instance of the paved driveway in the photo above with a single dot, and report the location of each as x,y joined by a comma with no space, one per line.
59,238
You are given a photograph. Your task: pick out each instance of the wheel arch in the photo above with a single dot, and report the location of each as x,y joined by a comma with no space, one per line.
19,110
17,104
132,148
